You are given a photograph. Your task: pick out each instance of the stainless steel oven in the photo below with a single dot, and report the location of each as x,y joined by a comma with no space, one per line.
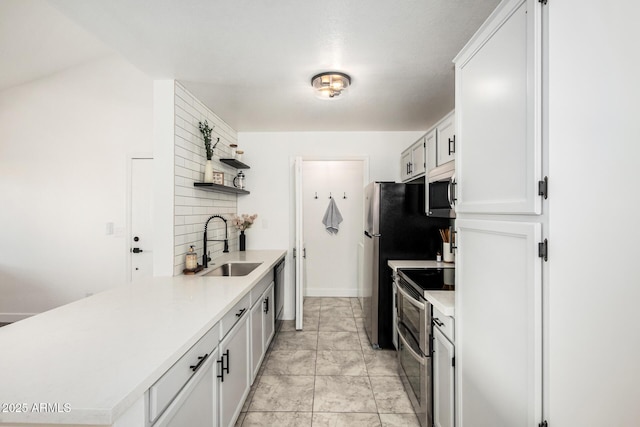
414,352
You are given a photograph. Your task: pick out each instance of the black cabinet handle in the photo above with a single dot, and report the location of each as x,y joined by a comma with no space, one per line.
201,360
437,321
452,141
266,304
136,250
221,362
226,353
241,312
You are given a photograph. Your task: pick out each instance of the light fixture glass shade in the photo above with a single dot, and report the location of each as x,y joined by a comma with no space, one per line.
331,84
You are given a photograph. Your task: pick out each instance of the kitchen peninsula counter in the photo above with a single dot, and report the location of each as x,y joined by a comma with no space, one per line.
88,362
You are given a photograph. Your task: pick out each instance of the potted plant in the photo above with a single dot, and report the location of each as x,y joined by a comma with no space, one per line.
242,222
206,135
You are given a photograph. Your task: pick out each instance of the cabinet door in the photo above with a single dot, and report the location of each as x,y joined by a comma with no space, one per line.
431,154
418,158
498,324
405,165
195,405
498,112
257,339
234,386
269,318
443,380
446,140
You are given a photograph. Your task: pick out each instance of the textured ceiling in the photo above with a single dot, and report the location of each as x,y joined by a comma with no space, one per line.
251,61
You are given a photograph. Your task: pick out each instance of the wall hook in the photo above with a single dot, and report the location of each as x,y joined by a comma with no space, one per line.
316,195
330,195
345,196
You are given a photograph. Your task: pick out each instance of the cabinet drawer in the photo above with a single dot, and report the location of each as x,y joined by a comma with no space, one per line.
258,290
233,315
444,323
168,386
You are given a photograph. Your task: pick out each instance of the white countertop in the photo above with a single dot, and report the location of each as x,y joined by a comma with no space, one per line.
444,301
100,354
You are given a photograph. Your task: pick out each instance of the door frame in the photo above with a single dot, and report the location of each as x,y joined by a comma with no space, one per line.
298,238
129,206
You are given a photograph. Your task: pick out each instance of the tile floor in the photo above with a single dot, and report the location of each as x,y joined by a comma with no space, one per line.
327,375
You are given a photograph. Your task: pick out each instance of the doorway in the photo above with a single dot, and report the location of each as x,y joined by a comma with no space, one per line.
330,262
140,236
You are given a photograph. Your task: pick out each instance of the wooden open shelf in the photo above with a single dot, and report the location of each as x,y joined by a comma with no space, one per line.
219,188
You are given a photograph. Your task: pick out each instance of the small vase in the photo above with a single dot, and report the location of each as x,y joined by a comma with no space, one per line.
243,241
208,172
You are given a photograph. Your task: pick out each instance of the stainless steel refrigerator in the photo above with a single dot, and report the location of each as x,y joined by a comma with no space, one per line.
396,228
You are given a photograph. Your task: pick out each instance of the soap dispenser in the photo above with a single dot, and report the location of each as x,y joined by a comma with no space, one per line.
191,259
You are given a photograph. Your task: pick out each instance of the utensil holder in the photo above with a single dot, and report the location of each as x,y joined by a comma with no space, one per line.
447,255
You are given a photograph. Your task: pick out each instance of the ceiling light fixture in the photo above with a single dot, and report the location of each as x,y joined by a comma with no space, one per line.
330,84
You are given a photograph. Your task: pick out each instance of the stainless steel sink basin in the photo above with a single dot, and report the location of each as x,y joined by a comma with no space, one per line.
234,269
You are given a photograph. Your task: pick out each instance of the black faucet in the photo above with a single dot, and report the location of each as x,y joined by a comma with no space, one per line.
205,257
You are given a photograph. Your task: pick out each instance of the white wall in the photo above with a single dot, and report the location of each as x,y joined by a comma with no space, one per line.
594,289
64,145
331,259
270,155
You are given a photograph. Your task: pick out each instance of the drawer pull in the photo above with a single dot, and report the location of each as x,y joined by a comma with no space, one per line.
201,360
266,304
241,312
437,322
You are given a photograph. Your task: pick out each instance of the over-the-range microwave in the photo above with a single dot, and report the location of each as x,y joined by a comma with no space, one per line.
440,197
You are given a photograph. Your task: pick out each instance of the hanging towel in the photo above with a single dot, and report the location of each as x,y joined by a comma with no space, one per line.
332,217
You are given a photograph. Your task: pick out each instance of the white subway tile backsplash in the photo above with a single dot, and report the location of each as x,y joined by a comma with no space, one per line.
194,206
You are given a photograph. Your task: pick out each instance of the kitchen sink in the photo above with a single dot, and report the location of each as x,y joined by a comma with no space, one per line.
234,269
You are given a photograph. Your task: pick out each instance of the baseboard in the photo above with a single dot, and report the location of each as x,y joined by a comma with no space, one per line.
331,292
14,317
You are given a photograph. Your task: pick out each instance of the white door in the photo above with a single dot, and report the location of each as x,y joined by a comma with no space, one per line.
299,249
141,237
498,114
498,324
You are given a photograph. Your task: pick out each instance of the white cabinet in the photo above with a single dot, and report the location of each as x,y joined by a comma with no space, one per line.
196,404
446,140
269,318
234,370
498,323
257,339
413,161
262,321
187,386
443,380
498,112
431,139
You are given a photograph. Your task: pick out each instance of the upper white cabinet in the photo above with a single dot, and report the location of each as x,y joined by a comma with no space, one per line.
413,161
498,338
498,113
446,140
431,141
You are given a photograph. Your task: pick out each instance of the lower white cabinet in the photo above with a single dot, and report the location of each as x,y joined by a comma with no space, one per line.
234,371
269,316
498,323
257,337
443,380
196,404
